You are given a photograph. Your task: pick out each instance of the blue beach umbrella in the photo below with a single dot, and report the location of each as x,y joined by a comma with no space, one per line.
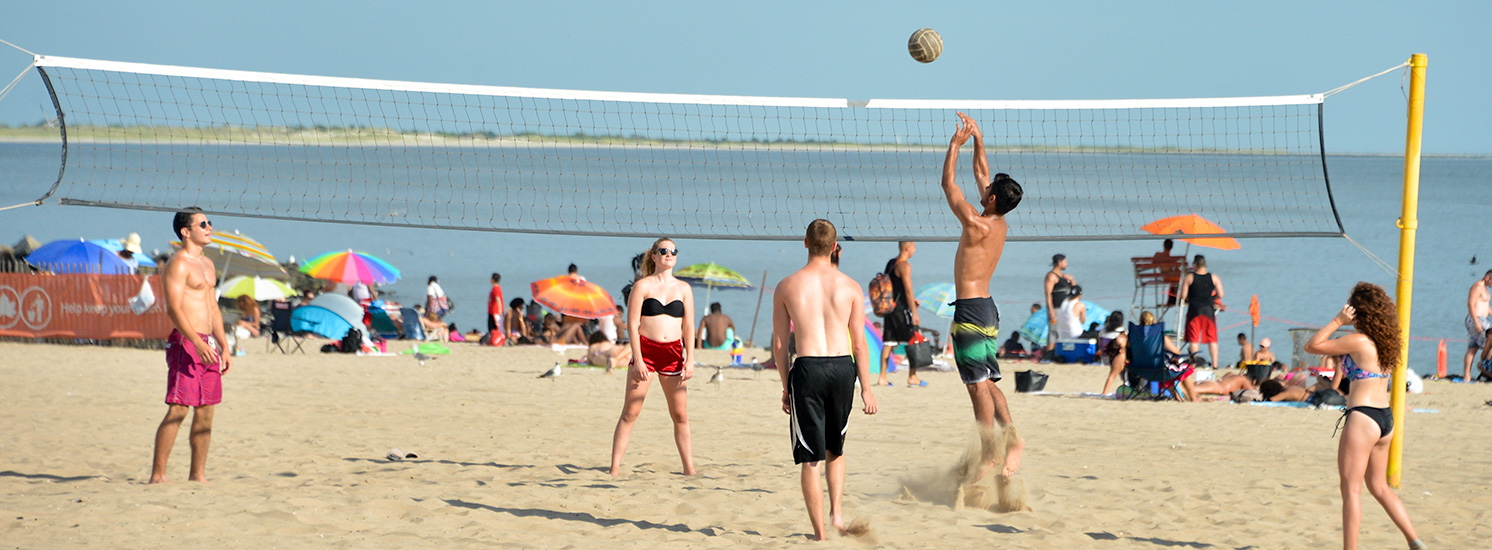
77,256
937,298
320,321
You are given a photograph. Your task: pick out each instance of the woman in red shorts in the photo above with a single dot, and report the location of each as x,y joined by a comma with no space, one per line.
660,316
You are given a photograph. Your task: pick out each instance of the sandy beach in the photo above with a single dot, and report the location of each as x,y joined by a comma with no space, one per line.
510,460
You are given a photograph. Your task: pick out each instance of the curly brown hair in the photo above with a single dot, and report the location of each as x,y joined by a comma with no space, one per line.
1378,319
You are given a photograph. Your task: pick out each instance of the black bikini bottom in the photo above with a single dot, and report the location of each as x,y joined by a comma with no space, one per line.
1382,415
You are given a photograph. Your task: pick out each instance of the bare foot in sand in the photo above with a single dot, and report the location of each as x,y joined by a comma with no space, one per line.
198,479
838,523
1013,456
157,479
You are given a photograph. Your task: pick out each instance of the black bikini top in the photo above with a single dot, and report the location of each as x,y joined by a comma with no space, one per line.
651,307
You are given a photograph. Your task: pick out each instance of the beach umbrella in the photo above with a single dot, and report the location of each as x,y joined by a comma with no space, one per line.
349,266
235,254
320,321
116,246
341,305
937,298
77,256
1192,224
25,246
713,276
1037,329
258,288
574,297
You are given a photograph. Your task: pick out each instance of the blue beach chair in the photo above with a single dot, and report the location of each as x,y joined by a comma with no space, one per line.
1150,372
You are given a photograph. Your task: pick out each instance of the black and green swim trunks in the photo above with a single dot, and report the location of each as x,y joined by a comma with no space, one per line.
976,339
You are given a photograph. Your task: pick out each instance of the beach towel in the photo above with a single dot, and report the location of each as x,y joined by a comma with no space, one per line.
428,348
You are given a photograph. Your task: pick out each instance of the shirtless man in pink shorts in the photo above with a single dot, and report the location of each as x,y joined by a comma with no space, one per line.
195,366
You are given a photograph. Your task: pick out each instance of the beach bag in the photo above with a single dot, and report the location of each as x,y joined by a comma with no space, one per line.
1325,397
882,300
919,352
144,299
1029,380
352,342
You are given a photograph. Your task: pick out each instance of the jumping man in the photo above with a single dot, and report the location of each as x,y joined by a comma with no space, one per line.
976,320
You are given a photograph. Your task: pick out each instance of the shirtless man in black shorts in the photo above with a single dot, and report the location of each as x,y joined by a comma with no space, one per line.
820,309
976,320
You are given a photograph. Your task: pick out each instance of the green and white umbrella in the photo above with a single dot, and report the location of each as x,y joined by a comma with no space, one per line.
258,288
713,276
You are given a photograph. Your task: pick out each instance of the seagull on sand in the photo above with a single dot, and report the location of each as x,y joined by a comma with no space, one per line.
420,356
719,376
552,373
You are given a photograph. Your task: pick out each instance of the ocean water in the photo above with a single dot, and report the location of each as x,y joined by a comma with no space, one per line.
1299,281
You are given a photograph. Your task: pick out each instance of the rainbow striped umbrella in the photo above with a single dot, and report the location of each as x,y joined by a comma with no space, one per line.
573,296
348,266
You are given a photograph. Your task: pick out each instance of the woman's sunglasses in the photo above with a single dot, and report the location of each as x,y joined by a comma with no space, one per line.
668,251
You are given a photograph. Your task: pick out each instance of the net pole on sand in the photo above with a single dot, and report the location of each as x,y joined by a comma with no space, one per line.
1408,223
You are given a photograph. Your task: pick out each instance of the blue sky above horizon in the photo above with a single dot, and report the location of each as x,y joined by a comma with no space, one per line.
993,50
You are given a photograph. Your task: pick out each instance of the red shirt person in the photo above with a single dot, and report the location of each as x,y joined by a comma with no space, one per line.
495,334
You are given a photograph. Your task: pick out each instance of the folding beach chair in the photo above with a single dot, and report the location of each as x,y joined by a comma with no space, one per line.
1152,372
383,326
413,330
280,330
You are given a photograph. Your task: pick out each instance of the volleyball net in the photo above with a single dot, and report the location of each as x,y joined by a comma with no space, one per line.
492,158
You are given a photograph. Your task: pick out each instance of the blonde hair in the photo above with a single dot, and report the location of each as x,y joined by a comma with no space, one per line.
648,265
1147,319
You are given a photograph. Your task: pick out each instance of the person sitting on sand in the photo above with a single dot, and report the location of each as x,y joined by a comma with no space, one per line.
250,318
1264,355
549,334
1117,355
1245,351
571,331
605,353
516,324
1012,348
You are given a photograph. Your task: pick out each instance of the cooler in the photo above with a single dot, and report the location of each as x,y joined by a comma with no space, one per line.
1083,350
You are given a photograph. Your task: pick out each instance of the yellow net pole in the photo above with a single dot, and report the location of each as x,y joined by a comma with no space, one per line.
1408,223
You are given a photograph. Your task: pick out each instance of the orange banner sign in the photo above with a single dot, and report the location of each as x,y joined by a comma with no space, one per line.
95,307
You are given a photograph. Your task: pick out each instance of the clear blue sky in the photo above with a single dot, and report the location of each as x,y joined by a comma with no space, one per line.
994,50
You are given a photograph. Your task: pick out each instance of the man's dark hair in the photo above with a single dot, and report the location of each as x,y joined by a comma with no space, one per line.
1242,336
574,269
183,220
497,278
1199,261
1168,245
1007,193
432,279
516,303
714,307
1488,274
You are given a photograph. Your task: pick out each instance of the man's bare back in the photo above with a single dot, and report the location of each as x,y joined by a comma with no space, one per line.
976,321
820,309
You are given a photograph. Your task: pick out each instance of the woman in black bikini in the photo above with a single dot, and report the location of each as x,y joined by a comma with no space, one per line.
660,317
1362,453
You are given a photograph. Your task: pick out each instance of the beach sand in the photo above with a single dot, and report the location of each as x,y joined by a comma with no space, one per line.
510,460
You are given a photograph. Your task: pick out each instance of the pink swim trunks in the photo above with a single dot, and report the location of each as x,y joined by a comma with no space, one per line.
188,381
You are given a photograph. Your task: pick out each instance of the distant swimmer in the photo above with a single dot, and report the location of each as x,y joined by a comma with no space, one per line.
818,309
976,319
194,353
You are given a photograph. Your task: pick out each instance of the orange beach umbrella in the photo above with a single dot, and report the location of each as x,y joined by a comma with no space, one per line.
573,296
1192,224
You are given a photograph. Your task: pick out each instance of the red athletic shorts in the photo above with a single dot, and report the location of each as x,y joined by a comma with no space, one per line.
665,358
1201,329
189,381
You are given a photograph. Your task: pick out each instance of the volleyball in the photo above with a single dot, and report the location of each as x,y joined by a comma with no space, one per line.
925,45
